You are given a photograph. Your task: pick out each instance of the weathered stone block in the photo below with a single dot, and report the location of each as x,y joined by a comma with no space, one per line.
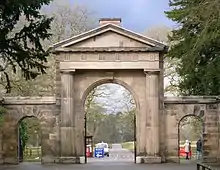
48,159
10,160
172,159
151,160
212,106
69,160
210,160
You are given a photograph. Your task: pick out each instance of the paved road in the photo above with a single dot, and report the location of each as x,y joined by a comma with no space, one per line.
116,154
119,159
100,166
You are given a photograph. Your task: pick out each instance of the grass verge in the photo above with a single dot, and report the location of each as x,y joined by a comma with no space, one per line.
32,154
128,145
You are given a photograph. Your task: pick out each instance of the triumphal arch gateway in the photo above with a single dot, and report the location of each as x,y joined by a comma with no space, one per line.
109,54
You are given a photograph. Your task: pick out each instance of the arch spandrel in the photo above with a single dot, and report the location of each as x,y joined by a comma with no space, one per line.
85,82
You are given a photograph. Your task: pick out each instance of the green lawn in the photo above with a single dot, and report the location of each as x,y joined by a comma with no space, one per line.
128,145
32,154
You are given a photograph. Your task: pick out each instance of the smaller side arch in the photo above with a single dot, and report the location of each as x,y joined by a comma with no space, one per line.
23,117
183,117
17,111
190,115
20,137
30,111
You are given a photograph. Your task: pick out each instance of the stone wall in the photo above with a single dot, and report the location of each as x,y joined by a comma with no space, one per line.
176,108
48,112
43,108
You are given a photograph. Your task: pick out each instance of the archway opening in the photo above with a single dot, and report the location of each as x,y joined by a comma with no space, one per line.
110,124
29,139
190,139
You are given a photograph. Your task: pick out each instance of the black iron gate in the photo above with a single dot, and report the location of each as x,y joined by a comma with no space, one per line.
135,139
85,134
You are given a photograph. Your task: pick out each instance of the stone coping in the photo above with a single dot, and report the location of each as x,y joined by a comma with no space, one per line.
167,100
107,49
148,160
28,100
192,100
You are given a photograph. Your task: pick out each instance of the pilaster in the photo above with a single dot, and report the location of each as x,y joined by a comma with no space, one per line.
152,112
67,133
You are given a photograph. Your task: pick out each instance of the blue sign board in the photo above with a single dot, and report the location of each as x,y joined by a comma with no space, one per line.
99,152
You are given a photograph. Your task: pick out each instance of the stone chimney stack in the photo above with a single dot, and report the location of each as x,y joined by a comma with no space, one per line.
116,21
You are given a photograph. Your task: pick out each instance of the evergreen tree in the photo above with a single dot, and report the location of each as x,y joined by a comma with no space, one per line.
22,49
196,44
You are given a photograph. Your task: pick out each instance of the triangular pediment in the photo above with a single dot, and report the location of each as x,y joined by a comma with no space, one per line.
108,39
108,36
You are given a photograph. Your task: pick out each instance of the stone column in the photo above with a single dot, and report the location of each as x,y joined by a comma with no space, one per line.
152,111
67,115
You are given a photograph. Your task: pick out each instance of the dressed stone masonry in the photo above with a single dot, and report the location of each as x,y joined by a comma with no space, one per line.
109,54
207,109
43,108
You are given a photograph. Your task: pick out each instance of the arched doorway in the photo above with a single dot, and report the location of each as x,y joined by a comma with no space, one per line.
110,117
190,131
29,139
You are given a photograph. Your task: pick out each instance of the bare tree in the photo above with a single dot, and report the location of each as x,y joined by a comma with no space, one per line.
160,33
104,95
95,109
69,20
128,101
191,128
109,108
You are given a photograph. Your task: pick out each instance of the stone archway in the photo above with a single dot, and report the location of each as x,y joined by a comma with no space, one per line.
18,108
10,129
111,53
178,107
93,84
145,145
23,125
199,120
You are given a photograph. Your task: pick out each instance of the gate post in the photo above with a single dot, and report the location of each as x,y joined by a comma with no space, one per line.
153,110
211,135
67,123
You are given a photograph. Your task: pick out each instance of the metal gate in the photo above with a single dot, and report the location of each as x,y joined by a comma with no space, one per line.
135,138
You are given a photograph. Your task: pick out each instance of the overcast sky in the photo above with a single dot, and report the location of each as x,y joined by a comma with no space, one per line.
137,15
